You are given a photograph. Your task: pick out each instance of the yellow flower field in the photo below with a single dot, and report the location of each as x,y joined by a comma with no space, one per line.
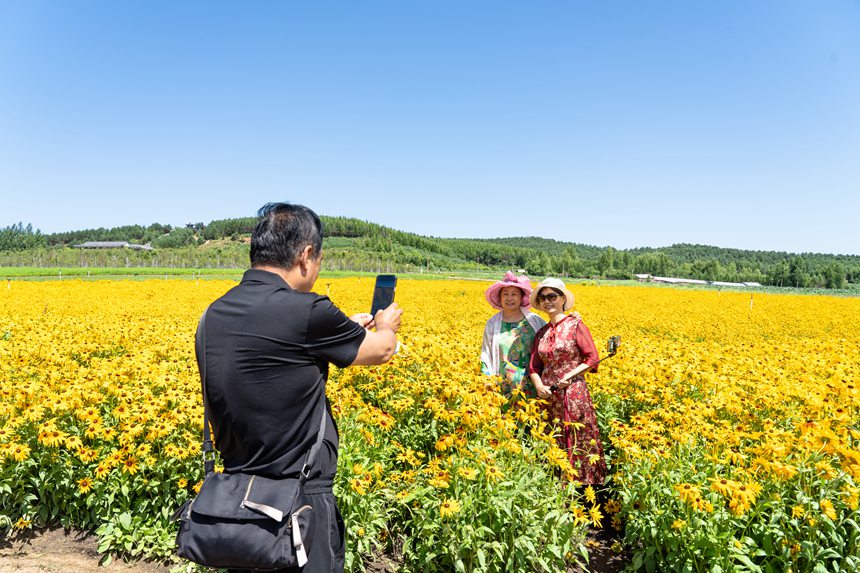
730,423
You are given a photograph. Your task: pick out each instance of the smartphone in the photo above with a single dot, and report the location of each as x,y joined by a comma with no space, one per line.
612,344
383,292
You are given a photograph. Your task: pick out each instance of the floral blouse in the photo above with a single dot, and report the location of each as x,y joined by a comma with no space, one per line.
515,347
556,346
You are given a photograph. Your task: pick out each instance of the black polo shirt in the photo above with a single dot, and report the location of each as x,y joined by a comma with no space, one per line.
268,348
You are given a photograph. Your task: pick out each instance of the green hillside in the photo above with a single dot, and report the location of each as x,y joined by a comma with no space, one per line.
356,245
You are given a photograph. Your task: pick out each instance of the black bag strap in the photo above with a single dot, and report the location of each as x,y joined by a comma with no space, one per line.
208,446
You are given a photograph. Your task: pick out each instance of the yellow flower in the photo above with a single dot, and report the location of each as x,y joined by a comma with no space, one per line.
19,452
613,506
722,486
445,442
51,438
358,486
74,442
130,466
85,485
493,474
468,473
441,480
449,507
22,523
101,470
797,511
579,515
590,494
852,496
679,524
688,492
595,515
827,509
825,470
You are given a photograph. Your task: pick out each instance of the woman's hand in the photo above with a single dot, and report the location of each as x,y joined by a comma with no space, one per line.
543,391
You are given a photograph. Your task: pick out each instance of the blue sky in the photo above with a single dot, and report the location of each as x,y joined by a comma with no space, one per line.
733,123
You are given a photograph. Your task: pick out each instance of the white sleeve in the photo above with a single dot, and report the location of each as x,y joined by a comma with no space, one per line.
487,349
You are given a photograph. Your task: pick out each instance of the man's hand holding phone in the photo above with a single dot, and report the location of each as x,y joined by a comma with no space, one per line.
380,345
388,318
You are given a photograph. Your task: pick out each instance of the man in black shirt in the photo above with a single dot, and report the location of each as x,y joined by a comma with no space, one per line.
269,342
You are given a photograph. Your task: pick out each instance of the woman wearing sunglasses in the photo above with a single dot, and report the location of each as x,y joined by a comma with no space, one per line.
563,351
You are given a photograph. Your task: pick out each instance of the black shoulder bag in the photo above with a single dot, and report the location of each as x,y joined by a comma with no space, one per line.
246,521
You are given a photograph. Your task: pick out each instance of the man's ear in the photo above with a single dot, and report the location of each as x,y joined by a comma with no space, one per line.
306,256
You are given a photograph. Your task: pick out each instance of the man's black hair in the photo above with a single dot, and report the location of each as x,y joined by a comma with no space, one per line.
282,232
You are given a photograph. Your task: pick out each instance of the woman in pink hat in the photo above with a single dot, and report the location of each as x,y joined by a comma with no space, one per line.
509,334
563,352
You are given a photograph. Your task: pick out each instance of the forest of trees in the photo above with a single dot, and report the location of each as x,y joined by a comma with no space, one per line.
353,244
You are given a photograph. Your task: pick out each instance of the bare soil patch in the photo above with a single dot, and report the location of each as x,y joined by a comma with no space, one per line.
58,550
62,551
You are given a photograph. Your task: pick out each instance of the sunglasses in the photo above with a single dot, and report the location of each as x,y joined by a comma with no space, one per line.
550,296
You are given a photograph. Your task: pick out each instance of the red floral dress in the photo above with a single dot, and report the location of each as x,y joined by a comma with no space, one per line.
558,349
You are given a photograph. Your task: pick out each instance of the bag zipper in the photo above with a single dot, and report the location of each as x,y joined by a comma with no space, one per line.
301,510
248,491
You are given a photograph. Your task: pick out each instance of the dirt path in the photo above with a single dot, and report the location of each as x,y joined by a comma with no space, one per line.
61,551
605,552
57,550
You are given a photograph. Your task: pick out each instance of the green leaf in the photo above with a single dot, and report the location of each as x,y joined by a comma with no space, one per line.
748,562
650,565
125,520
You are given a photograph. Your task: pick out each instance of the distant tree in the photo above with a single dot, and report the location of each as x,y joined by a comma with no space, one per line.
798,274
779,274
606,261
539,265
571,264
624,263
655,264
20,237
834,276
178,237
707,270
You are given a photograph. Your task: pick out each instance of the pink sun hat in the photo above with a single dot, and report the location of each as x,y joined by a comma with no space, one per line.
521,282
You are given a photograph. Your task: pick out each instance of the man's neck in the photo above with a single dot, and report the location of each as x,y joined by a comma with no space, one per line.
292,276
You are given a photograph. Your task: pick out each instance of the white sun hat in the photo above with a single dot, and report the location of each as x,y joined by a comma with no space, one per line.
556,284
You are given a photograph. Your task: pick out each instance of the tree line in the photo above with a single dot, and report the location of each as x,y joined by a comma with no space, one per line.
354,244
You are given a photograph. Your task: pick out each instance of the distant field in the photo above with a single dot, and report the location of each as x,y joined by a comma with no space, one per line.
103,272
133,273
